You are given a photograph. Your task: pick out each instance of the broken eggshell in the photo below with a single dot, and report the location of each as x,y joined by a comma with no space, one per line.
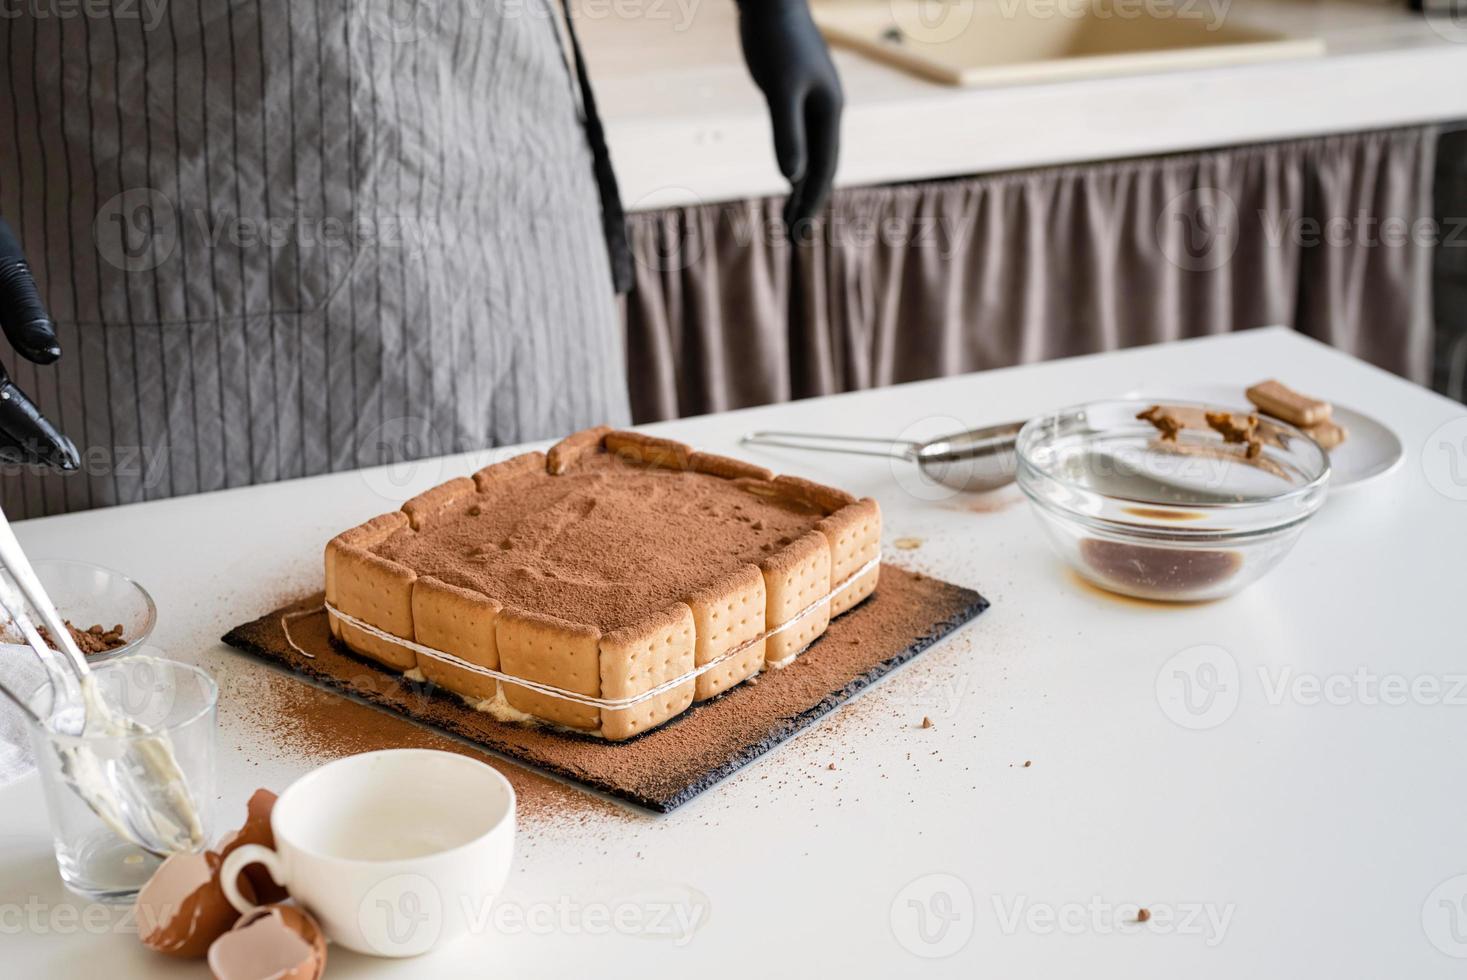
270,942
256,830
182,908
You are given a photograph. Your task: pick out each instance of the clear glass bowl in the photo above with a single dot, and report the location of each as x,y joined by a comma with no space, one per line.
1176,521
88,595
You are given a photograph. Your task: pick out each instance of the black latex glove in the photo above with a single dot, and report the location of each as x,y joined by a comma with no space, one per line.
791,65
26,436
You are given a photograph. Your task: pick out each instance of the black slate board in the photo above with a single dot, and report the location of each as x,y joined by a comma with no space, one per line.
669,765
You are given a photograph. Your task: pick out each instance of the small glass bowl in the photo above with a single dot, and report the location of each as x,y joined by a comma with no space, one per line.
88,595
1177,521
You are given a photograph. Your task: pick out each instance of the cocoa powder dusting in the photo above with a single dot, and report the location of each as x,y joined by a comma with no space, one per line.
605,543
990,502
660,769
321,726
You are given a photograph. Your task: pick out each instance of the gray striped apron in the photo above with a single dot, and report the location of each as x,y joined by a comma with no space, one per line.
285,238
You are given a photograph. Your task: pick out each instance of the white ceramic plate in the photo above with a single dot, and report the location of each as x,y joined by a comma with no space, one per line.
1370,452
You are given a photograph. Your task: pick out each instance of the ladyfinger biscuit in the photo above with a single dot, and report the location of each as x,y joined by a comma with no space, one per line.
554,652
509,468
428,505
854,536
1328,434
794,579
637,658
461,622
828,499
1284,403
360,538
563,455
634,447
727,467
378,592
727,615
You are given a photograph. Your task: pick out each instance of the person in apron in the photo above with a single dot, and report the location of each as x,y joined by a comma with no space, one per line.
278,239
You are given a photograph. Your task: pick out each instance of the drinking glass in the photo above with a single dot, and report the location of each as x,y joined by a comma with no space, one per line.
172,699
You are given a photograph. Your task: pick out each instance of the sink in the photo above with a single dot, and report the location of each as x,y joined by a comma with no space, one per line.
1000,42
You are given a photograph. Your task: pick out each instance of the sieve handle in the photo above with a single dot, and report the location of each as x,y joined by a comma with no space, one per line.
823,443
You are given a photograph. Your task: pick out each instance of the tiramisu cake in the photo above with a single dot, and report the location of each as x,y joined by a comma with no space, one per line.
603,586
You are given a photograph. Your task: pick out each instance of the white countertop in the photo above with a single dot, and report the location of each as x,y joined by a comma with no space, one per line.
686,125
1298,836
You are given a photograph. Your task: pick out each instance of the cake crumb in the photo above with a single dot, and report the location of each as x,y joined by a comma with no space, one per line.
92,640
926,722
831,767
1028,763
1143,915
1166,423
908,544
1227,425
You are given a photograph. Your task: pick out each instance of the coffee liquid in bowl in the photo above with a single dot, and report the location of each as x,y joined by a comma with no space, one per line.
1161,573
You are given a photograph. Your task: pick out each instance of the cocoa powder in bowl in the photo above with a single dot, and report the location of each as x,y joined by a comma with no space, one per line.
93,640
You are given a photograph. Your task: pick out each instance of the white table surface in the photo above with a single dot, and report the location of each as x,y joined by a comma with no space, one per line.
1314,827
687,126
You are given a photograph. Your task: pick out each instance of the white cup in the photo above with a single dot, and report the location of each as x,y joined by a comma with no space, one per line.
393,852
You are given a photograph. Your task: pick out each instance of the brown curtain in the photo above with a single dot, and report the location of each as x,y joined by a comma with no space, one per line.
1332,236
